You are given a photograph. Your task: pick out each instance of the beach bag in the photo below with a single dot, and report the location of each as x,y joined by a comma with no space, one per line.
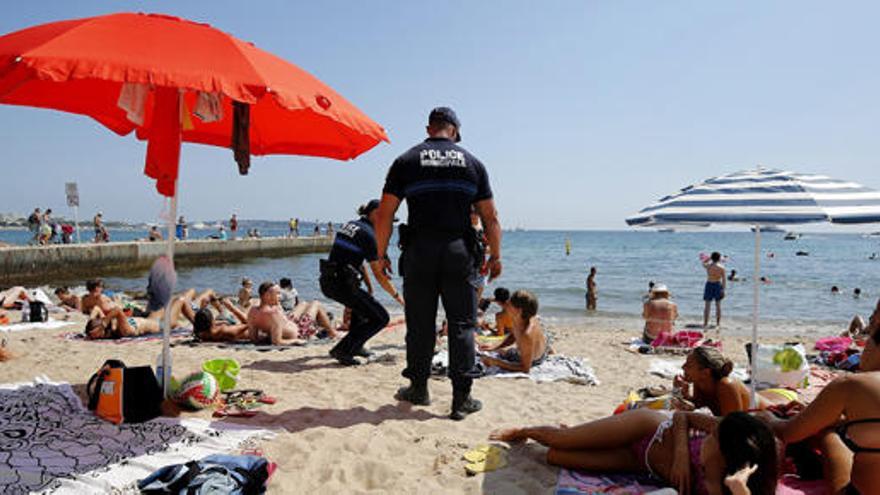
121,394
38,312
782,365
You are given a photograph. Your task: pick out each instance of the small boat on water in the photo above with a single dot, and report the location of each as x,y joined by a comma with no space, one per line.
792,236
666,231
770,228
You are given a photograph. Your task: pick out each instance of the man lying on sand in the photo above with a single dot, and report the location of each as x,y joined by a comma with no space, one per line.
69,301
531,343
268,321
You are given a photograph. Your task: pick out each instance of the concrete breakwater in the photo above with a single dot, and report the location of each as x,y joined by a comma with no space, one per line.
22,265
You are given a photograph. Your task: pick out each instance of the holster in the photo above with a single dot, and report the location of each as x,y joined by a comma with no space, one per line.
475,246
340,274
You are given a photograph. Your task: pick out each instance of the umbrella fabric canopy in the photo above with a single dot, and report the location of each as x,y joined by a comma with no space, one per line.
763,197
173,80
81,65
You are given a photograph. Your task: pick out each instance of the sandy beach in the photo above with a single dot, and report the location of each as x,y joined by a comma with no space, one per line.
339,429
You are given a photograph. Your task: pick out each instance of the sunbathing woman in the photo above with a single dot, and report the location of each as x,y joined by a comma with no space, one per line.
706,383
116,324
648,441
229,325
851,405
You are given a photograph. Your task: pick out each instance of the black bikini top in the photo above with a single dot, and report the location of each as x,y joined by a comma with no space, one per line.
856,448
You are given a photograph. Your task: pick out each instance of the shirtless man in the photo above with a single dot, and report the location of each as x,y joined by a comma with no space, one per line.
96,298
69,302
531,344
716,284
659,313
268,320
592,293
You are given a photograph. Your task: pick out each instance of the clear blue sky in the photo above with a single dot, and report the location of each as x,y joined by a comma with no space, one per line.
582,111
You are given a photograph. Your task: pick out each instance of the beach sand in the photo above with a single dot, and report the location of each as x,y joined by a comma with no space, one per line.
340,430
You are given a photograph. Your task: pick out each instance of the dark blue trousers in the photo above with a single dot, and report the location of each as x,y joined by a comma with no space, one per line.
368,316
440,269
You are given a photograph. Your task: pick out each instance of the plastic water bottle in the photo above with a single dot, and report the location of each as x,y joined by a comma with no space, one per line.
160,371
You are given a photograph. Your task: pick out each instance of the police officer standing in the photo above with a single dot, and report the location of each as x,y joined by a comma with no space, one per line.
441,257
341,277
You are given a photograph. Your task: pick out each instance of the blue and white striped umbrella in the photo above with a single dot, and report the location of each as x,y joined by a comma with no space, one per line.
765,197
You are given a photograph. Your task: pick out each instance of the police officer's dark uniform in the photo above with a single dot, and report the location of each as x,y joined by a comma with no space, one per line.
440,181
341,281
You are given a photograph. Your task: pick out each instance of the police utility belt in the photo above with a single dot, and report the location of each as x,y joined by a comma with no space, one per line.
407,234
340,273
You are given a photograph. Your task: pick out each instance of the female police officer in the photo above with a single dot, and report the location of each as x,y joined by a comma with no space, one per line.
341,276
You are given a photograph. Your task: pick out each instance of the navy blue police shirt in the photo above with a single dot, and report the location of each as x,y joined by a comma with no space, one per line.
440,181
354,243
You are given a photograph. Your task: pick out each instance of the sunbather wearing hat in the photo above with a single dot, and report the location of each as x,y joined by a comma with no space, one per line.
706,383
845,420
650,442
531,343
659,313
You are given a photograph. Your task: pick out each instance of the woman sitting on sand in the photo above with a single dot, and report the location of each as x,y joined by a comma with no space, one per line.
706,383
845,419
659,313
650,442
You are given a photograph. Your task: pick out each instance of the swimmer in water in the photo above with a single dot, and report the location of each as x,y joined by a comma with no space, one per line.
567,246
857,293
835,290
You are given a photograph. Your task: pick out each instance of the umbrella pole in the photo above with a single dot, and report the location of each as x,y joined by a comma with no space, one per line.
756,280
166,330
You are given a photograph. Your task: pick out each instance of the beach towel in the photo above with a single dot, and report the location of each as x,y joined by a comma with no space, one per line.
583,483
149,337
556,368
50,443
44,325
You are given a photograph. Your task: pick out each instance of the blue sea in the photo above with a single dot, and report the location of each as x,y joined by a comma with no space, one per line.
799,286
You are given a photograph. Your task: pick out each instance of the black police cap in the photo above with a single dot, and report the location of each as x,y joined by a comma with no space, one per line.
446,114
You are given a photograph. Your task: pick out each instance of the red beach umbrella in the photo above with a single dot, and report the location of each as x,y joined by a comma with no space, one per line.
172,80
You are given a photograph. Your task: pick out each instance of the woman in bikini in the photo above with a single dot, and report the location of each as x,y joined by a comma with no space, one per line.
845,420
115,324
706,383
693,452
229,325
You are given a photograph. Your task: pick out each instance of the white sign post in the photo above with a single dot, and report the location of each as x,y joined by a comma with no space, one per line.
73,201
